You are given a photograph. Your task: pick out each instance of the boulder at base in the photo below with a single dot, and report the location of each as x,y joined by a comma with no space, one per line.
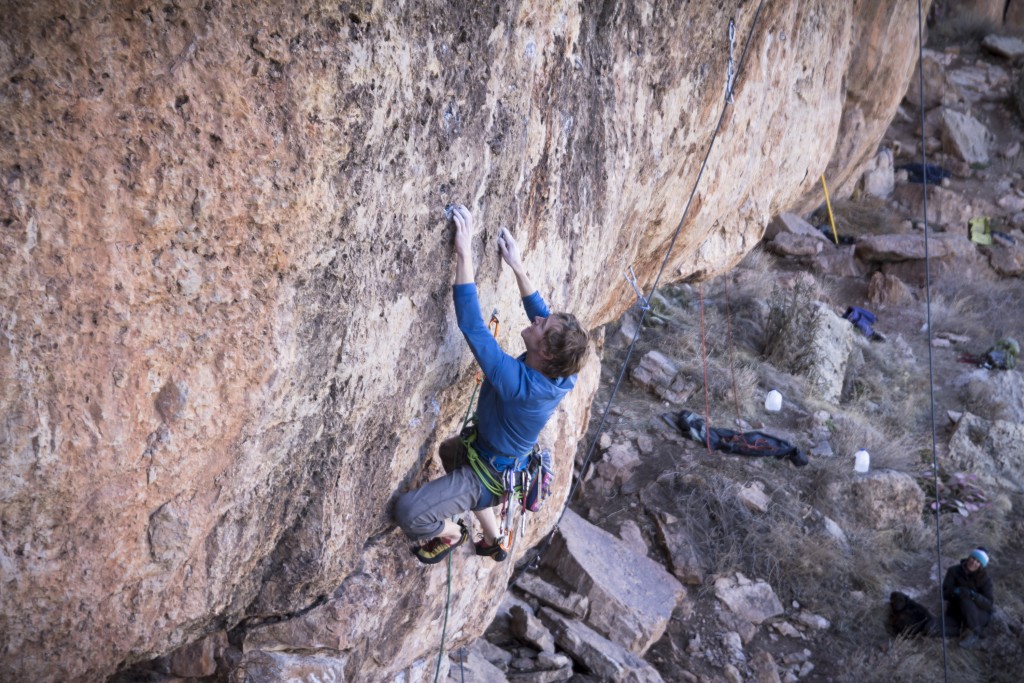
631,596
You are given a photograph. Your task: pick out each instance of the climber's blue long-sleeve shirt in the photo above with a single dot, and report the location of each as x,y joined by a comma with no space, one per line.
516,401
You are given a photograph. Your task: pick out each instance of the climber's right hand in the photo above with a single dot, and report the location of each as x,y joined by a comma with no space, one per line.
509,249
463,231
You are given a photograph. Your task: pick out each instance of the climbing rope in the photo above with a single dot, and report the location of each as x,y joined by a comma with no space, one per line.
928,323
654,288
492,325
664,263
732,355
704,362
444,625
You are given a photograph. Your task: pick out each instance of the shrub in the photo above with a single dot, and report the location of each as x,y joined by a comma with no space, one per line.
790,315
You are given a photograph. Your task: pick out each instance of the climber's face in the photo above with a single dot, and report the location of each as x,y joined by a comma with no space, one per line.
533,335
972,565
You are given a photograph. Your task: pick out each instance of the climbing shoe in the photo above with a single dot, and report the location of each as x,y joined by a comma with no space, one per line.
485,549
436,549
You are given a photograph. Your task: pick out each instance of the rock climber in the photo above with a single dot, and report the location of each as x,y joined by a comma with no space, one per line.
967,590
517,397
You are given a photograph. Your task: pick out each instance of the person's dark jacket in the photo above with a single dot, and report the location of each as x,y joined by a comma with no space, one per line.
977,586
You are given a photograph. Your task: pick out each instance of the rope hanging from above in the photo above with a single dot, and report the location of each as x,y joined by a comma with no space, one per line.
729,99
928,317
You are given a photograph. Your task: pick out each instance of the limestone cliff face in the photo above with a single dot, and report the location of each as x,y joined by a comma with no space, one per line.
226,336
884,52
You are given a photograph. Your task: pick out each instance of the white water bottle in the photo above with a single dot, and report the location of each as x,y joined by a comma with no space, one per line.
861,461
773,402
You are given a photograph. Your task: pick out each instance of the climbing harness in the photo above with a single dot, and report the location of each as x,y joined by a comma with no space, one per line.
467,437
518,477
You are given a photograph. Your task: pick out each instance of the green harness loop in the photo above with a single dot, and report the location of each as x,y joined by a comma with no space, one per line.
484,474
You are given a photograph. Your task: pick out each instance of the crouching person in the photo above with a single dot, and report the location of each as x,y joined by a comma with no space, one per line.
517,397
967,590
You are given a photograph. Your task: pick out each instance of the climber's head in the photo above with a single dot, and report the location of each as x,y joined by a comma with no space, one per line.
556,345
977,559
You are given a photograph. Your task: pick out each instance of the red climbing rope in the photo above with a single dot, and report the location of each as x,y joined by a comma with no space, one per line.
732,355
704,360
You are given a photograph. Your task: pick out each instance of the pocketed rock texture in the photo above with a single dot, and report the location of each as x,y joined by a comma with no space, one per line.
227,336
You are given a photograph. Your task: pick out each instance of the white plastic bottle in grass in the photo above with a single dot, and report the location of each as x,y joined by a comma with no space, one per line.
861,461
773,401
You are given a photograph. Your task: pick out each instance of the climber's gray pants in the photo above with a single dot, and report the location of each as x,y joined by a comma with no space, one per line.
421,513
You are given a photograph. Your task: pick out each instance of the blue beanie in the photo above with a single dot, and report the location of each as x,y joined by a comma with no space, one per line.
980,555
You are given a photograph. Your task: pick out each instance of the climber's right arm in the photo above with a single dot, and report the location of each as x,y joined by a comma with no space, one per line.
463,245
509,249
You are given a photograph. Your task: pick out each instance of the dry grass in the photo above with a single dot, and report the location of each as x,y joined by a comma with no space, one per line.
978,398
883,410
676,331
958,311
791,314
908,661
883,429
975,305
955,25
1007,166
773,546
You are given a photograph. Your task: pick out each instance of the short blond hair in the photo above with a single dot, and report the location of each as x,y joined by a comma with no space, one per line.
566,343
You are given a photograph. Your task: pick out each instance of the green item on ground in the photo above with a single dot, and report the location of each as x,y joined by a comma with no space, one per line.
1002,356
980,230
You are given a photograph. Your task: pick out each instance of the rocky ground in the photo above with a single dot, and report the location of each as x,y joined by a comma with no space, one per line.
778,573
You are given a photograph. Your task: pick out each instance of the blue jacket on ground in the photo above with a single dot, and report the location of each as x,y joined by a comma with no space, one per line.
516,401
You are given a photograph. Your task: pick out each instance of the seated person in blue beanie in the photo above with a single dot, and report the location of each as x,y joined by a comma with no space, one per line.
967,590
517,398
